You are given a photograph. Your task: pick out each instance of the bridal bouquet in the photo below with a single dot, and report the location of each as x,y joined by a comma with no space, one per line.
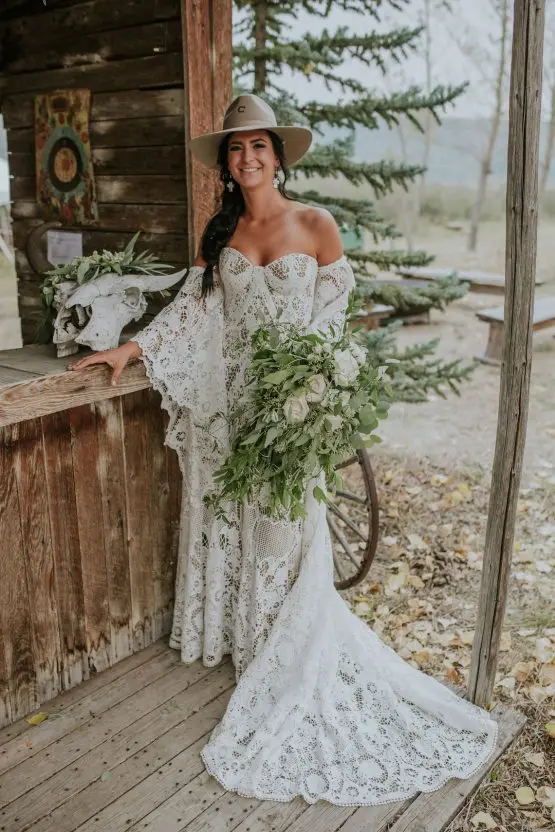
310,402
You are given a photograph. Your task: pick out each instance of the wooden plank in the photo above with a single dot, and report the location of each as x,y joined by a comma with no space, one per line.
120,132
222,56
116,160
59,392
141,538
187,802
30,475
198,63
153,218
520,269
479,281
270,815
94,16
24,745
57,51
171,248
149,755
150,771
9,376
88,498
140,189
72,747
87,692
19,110
152,71
163,558
18,697
60,486
432,812
114,520
544,313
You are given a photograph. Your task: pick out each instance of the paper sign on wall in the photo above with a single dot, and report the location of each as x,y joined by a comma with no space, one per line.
63,246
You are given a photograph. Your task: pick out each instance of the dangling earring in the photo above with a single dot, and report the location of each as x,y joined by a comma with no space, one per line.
230,185
276,179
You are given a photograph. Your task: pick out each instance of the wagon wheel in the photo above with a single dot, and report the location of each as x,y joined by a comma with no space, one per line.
353,520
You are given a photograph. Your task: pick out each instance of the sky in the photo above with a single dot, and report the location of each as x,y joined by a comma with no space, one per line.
463,50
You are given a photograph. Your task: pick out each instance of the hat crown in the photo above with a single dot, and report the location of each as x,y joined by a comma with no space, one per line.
249,109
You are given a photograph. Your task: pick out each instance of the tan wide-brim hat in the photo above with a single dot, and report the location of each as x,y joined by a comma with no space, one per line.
249,112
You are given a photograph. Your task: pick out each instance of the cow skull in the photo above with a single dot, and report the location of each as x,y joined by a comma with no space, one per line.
95,313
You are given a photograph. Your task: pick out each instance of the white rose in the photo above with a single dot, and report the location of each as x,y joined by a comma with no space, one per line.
335,421
344,398
360,354
346,368
295,408
316,388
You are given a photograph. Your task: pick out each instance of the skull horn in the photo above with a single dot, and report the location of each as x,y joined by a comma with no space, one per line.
34,248
150,282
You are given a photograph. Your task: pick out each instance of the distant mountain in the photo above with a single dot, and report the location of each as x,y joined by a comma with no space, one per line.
455,151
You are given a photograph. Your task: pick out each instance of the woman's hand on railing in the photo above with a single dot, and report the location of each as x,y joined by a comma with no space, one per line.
116,358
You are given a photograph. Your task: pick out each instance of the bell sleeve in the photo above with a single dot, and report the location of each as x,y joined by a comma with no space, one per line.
334,283
182,350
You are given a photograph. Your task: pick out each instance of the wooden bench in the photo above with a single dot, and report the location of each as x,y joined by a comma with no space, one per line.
544,316
493,284
371,318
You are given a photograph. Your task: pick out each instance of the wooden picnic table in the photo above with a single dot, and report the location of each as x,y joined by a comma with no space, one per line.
544,317
485,282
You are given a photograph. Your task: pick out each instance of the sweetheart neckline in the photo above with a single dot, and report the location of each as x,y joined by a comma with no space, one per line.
272,262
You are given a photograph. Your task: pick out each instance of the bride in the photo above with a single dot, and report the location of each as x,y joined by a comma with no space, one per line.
322,707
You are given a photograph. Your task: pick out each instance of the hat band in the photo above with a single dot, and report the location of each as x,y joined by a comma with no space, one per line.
251,125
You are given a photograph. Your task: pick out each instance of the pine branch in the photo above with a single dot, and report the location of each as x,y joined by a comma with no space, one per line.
366,263
368,111
413,374
437,295
333,160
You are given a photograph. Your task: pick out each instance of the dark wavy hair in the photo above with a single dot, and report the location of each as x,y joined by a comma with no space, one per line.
221,227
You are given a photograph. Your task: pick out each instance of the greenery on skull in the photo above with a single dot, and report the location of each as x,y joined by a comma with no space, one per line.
264,49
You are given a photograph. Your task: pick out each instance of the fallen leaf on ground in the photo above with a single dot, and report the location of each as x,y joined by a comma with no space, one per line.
536,759
546,796
483,820
36,719
550,729
525,795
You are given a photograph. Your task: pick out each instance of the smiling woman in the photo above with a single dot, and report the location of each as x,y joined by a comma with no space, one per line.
322,707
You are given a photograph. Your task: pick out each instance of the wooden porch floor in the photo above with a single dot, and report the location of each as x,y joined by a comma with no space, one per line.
120,752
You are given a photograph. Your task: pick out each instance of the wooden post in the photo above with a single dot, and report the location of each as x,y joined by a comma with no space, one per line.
520,261
207,55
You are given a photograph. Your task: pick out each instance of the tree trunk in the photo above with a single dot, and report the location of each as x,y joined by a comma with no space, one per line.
548,153
485,165
428,120
260,17
520,266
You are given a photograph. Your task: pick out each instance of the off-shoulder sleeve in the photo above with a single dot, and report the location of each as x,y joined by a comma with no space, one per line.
334,284
182,350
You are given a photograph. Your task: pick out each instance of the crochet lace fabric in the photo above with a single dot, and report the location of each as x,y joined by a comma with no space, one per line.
322,707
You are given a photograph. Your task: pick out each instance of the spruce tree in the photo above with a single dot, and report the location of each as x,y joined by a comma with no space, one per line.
264,48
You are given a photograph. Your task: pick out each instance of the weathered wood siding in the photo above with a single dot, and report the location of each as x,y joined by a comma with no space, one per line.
130,54
89,526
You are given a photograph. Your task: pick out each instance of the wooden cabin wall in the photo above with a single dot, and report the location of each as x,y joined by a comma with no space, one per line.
89,522
130,55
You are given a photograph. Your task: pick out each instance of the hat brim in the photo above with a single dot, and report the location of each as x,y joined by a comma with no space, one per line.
296,142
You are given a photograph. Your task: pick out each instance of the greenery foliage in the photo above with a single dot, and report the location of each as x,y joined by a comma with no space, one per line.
311,400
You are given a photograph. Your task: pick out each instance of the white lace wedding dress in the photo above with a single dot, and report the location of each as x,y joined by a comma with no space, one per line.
322,707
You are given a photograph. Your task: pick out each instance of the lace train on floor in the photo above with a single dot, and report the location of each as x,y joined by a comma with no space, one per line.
327,711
